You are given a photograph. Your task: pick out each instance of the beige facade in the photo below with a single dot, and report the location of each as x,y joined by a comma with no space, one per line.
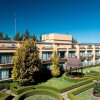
88,53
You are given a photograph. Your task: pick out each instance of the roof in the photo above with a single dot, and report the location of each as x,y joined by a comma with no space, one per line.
74,63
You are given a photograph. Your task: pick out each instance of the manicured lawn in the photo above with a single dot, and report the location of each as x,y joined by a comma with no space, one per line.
40,97
87,95
58,83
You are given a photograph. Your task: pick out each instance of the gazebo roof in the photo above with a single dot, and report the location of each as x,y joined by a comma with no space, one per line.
74,63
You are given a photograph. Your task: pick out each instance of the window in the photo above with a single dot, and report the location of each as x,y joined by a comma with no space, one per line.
46,55
4,74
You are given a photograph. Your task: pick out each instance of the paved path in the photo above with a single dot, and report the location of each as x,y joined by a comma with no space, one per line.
64,95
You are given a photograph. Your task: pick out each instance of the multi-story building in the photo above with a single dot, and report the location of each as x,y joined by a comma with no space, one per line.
88,53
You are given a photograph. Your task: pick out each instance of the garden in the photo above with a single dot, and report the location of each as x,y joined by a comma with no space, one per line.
27,80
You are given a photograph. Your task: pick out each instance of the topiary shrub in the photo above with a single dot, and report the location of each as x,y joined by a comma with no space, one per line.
96,90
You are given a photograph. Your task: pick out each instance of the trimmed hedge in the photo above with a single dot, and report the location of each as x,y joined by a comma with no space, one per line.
4,96
4,85
39,91
73,86
16,89
72,94
65,77
47,87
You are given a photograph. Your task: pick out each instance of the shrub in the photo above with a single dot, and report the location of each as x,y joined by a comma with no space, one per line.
4,96
38,91
47,87
65,77
72,94
76,85
96,88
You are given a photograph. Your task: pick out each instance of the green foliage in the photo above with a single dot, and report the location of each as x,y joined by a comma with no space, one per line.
18,37
26,63
6,37
55,65
4,95
72,94
97,88
65,77
38,91
74,41
16,89
73,86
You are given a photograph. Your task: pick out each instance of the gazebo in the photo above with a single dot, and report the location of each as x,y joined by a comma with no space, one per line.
74,63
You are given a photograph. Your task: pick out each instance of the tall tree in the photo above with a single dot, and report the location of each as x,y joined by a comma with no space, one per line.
17,37
6,37
55,65
26,35
41,37
74,41
1,36
26,63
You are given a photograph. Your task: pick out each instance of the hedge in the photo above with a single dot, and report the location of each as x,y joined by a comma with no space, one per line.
16,89
75,85
65,77
38,91
47,87
4,85
72,94
4,96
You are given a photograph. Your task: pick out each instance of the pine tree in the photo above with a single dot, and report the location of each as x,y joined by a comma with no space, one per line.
26,63
17,37
26,35
6,37
55,65
1,36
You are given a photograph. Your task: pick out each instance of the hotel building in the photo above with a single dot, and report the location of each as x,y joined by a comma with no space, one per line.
62,43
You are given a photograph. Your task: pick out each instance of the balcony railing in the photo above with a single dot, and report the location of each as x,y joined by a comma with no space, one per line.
7,65
62,59
97,55
89,55
82,56
87,64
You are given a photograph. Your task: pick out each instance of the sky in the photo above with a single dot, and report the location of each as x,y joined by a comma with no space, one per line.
80,18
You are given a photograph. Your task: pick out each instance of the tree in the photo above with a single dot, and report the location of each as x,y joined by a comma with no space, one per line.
26,35
55,65
6,37
17,37
1,36
34,38
41,37
26,63
74,41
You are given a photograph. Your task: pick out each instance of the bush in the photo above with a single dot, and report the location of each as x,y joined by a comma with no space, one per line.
38,91
4,85
47,87
4,96
76,85
72,94
96,88
16,89
65,77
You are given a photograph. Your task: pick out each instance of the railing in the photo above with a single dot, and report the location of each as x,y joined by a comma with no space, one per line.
89,55
97,55
6,65
82,56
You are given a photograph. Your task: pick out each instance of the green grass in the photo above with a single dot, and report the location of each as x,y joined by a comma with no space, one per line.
58,83
86,95
40,97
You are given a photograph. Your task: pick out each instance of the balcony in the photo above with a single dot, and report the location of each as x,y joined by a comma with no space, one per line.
82,56
97,55
47,61
97,62
6,65
89,56
87,64
8,47
62,59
